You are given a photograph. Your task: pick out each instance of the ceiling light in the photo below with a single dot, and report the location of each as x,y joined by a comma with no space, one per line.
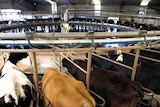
96,2
34,3
50,1
144,2
9,11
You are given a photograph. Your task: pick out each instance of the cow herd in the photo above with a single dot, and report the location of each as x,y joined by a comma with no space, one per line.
58,89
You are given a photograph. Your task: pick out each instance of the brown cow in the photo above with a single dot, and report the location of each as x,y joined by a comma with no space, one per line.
114,87
61,90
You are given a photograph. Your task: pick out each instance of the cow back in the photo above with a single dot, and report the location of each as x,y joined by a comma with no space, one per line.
63,91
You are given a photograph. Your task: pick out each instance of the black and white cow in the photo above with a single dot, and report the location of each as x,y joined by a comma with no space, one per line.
16,89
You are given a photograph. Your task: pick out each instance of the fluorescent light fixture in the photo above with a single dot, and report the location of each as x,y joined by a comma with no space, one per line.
50,1
96,2
53,6
97,7
144,2
10,11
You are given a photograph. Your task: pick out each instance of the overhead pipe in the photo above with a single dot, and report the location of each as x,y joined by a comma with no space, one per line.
110,14
78,41
70,49
78,35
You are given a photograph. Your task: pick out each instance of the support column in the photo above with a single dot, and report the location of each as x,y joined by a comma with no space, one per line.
88,69
135,64
54,7
35,74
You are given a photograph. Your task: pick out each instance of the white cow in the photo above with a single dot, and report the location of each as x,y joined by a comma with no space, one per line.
64,27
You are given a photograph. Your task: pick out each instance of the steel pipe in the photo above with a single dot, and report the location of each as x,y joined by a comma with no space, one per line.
135,65
74,63
144,57
151,50
35,74
88,69
69,49
78,41
115,62
76,35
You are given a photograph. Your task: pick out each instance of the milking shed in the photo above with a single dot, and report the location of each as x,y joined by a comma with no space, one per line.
80,53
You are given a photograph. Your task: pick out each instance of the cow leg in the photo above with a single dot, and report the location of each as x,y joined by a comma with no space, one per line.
11,95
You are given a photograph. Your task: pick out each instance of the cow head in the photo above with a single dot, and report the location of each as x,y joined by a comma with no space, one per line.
15,57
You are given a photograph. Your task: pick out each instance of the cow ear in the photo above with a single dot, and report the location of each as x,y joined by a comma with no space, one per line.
69,54
4,56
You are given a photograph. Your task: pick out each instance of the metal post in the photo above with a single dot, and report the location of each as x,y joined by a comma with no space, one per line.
135,64
66,15
60,61
35,74
88,69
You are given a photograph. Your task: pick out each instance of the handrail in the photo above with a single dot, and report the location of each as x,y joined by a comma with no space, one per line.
144,57
115,62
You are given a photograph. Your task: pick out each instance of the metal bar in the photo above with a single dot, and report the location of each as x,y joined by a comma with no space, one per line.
112,61
88,69
144,57
148,92
74,64
60,62
135,65
126,15
98,96
35,74
68,49
78,41
154,51
75,35
116,48
45,50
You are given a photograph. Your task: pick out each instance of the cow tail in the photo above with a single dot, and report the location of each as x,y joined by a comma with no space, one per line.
42,96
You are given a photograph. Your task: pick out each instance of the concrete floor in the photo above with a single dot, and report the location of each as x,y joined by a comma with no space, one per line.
44,60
